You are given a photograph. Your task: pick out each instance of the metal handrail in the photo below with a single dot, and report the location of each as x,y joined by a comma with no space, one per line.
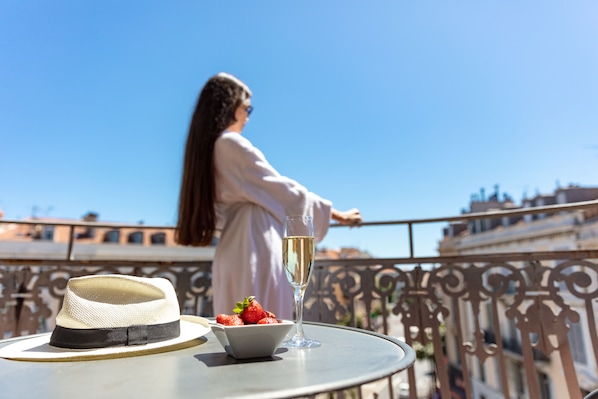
491,214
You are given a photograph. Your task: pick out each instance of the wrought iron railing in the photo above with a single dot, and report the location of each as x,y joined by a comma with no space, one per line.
476,316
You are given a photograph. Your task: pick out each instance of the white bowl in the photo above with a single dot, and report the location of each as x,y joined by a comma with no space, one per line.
252,340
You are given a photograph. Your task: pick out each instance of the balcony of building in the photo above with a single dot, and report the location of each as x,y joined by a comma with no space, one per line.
508,324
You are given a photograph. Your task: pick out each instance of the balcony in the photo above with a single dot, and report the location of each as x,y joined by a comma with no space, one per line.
495,325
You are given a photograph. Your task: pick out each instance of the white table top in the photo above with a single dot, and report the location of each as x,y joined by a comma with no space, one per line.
348,357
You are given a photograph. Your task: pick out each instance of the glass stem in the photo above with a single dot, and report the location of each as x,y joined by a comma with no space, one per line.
299,312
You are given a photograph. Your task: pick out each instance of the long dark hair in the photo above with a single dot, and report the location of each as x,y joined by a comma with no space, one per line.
214,112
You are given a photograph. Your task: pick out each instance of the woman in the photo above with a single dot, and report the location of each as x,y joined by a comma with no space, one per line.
229,189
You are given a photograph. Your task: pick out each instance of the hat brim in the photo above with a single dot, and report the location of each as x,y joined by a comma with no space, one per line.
38,349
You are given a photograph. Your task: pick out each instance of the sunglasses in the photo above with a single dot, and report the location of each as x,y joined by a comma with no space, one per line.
249,110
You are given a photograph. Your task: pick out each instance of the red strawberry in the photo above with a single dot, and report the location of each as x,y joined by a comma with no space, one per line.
229,320
268,320
270,314
250,310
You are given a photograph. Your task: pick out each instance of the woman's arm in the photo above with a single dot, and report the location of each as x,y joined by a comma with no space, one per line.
350,217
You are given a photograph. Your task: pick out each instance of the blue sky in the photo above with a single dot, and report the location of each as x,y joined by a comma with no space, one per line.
401,109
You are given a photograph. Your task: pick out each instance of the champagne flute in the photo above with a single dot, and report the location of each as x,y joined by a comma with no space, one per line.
298,257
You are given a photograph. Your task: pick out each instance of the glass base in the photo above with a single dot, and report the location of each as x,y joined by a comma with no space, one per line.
301,343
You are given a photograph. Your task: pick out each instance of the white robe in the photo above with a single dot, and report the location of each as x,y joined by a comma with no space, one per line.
251,200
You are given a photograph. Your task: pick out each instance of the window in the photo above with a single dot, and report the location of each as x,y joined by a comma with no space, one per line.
519,378
41,232
158,239
576,343
136,237
482,371
89,232
112,236
544,386
48,233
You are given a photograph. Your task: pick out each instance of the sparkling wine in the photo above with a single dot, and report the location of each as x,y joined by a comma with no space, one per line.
298,259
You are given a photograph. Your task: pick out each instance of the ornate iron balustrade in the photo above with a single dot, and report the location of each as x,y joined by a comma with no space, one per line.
479,313
468,296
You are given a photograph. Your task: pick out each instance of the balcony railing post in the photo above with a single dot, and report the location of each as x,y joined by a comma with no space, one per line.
69,253
410,226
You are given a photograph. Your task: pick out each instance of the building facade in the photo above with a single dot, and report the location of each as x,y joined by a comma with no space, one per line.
561,231
95,240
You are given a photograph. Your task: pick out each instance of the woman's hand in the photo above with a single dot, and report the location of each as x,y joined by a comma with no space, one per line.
351,217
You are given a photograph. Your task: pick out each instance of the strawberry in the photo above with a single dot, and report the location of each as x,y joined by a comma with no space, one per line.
229,320
268,320
269,314
250,310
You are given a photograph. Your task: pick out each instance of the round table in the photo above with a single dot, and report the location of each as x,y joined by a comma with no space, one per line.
348,357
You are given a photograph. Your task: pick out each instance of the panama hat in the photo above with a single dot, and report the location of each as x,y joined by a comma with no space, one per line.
111,316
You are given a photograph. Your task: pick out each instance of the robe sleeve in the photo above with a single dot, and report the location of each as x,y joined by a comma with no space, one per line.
246,176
